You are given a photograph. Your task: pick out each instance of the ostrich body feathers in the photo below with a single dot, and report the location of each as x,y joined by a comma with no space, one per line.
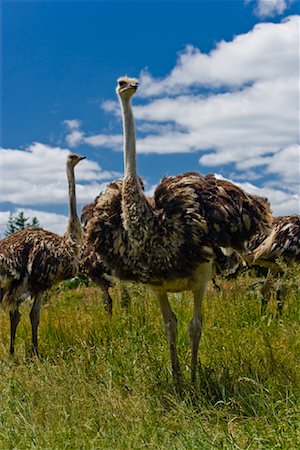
168,236
31,260
282,242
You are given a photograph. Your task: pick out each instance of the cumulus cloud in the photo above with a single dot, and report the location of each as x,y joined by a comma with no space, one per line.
271,8
72,124
285,164
77,137
37,176
268,52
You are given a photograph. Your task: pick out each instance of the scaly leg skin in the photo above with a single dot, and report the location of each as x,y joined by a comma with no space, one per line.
195,325
280,296
266,293
15,316
125,297
215,285
107,300
170,323
35,320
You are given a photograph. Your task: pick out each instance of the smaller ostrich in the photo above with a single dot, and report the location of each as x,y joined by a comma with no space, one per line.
33,259
282,243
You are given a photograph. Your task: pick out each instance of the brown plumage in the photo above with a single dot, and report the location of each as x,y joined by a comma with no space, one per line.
33,259
227,266
187,217
91,263
283,243
167,242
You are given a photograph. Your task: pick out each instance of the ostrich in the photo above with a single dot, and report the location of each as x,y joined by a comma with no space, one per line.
282,243
33,259
167,242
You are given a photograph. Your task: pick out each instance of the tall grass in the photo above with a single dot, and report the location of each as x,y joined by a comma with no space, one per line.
106,384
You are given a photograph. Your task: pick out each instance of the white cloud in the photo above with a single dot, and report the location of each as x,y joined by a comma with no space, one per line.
72,124
37,176
265,8
285,164
268,52
104,140
74,138
77,137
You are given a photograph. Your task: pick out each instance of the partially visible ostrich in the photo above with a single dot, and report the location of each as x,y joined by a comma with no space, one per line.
167,242
33,259
283,243
227,266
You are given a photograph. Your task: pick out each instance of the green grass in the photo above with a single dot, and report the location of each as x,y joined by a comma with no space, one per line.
106,384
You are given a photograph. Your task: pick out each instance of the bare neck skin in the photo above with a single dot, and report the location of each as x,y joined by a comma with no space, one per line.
130,168
73,232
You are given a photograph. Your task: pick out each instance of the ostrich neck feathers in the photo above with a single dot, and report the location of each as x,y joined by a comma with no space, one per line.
137,213
73,232
129,139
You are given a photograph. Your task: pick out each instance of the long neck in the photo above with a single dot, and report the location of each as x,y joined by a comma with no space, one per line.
74,231
136,211
130,168
72,193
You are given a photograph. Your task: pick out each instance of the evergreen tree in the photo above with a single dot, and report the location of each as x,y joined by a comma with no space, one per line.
19,223
10,226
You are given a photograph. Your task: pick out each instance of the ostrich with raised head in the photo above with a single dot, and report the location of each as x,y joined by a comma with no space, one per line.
167,242
33,259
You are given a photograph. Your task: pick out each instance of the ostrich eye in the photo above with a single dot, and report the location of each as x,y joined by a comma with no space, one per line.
122,83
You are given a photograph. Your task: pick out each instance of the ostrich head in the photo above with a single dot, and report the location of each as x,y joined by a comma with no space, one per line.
126,87
74,159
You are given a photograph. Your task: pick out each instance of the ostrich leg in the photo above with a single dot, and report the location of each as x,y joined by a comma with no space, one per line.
170,323
35,320
266,292
15,316
280,297
106,298
195,325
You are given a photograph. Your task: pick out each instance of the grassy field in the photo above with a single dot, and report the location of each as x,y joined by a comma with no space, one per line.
106,384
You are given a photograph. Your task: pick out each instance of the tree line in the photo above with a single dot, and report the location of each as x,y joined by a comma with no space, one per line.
19,222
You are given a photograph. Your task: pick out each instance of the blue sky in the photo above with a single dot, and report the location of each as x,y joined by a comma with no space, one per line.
218,93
